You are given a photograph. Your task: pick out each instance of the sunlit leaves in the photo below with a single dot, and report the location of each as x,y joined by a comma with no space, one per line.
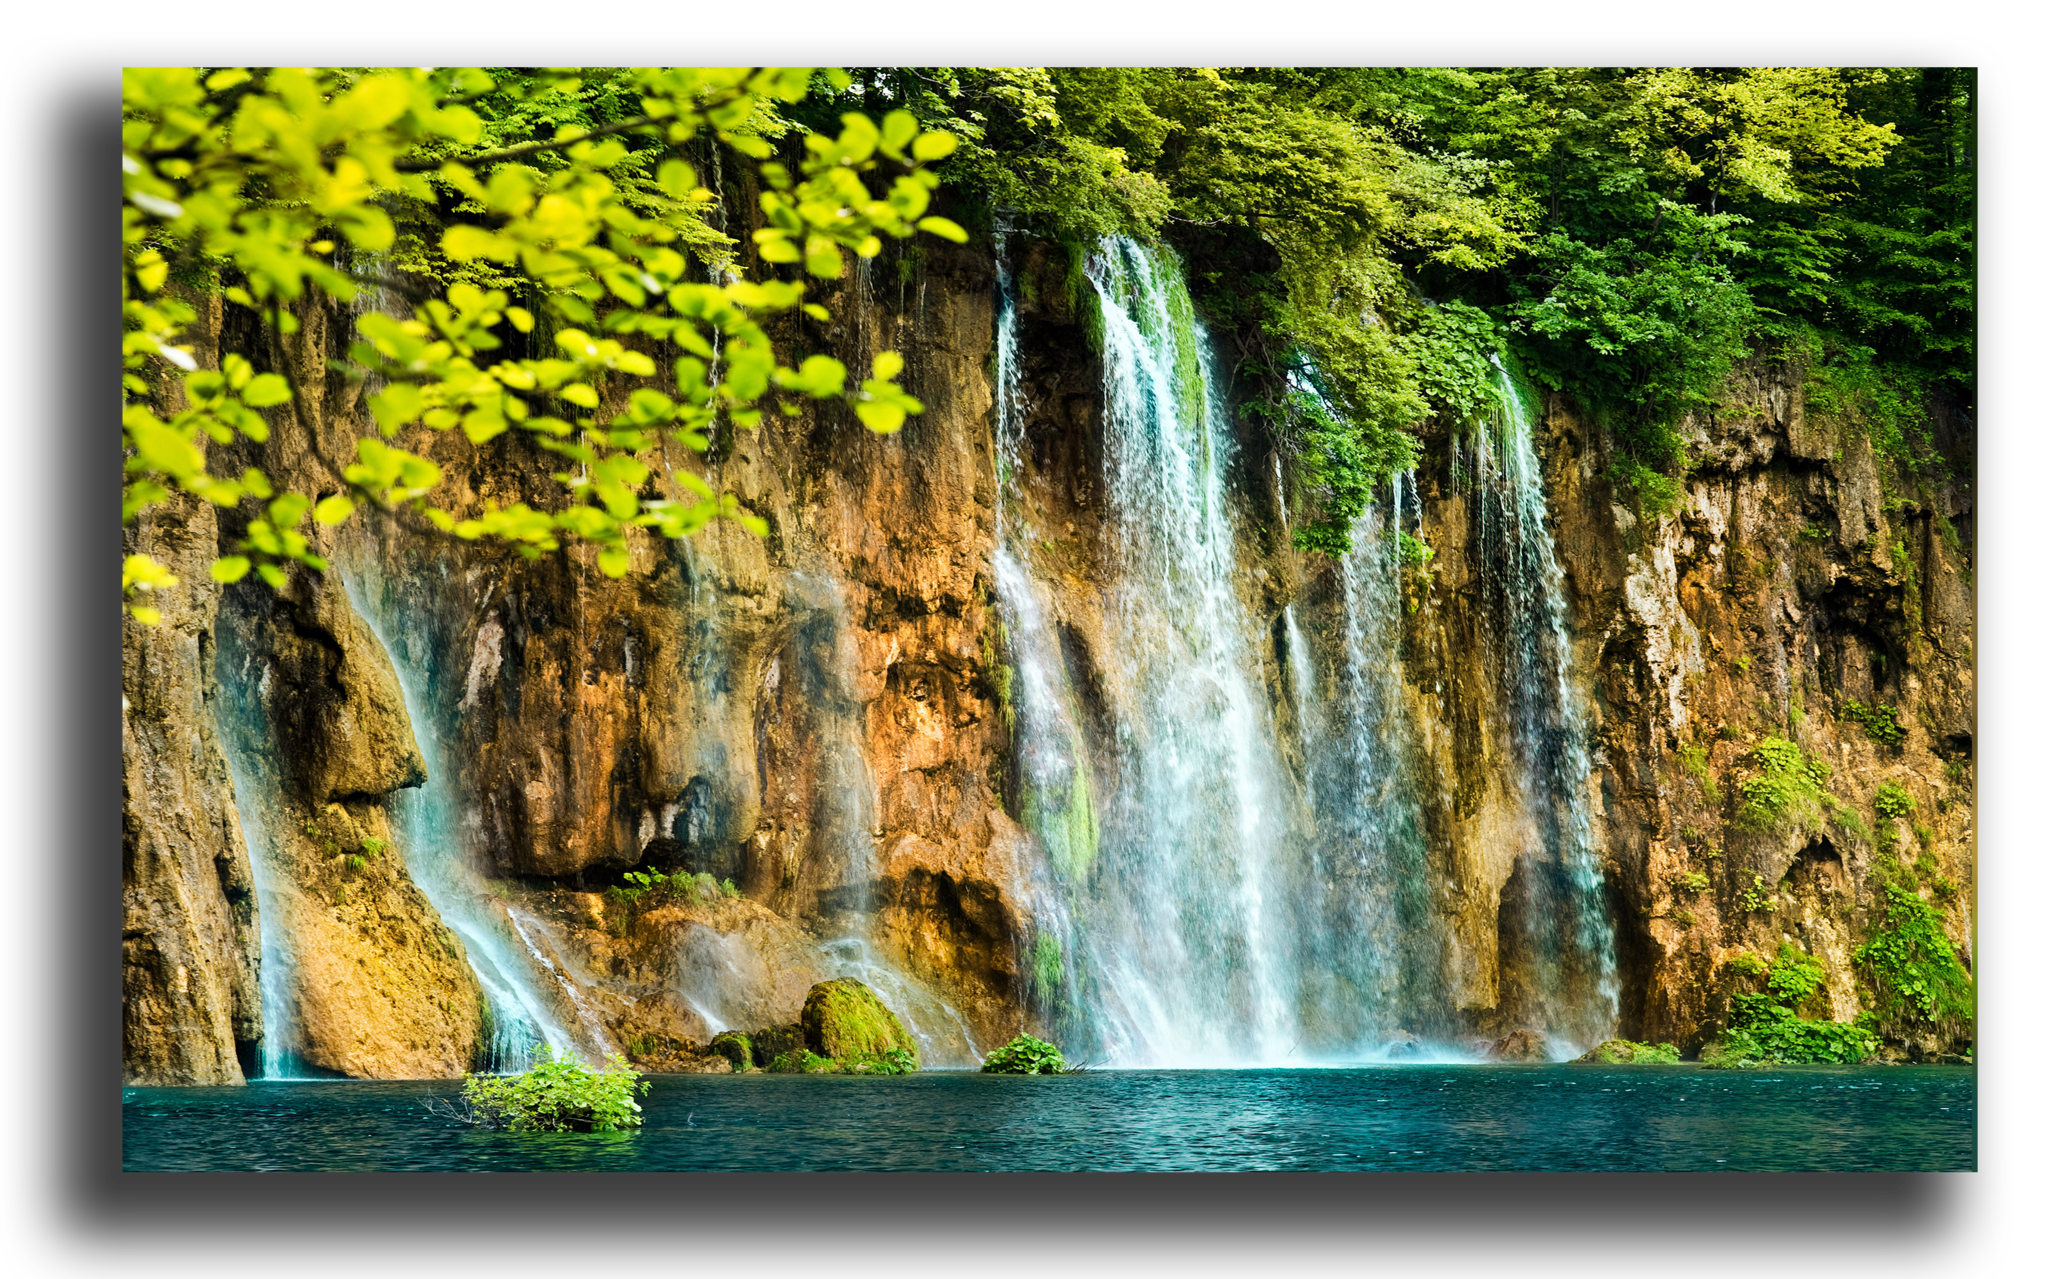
261,174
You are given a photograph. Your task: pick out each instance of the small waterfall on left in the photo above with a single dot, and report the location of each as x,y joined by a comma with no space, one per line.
512,967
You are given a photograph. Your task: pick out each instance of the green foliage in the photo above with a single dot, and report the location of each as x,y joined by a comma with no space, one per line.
735,1048
1757,897
1788,789
890,1061
1880,722
278,188
1746,964
1914,974
1694,760
559,1095
1766,1028
802,1061
1892,802
356,864
1024,1055
1627,1052
1794,976
374,846
1692,881
1764,1032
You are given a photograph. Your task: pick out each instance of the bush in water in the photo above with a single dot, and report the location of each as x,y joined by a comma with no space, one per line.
558,1096
1024,1055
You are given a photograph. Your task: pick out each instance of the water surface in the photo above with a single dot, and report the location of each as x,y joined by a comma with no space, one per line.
1381,1118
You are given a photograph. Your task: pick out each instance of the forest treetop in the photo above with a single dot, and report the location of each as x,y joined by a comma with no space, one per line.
1627,233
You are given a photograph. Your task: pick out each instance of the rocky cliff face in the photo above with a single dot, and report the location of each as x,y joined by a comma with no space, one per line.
824,717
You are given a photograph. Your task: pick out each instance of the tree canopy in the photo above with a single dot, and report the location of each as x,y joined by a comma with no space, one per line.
1628,234
1375,239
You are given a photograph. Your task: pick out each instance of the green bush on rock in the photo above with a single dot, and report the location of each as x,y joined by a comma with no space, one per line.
1024,1055
557,1095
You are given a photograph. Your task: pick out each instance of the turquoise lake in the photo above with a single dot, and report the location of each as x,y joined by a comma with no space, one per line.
1411,1118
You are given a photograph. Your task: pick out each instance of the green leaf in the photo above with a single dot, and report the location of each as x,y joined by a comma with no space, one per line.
613,561
879,417
266,389
272,574
287,511
676,178
887,365
396,405
229,568
465,243
334,509
935,145
898,128
944,228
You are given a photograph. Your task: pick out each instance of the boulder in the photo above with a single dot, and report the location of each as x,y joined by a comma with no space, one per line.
845,1021
1520,1045
735,1048
771,1042
1403,1045
1612,1052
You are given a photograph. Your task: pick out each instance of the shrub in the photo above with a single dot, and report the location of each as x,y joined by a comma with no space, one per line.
1892,802
1880,723
558,1095
1024,1055
1692,881
802,1061
1787,788
1913,971
1766,1029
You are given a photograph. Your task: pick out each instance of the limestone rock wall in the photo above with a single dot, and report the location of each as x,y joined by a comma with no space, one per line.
819,716
190,1009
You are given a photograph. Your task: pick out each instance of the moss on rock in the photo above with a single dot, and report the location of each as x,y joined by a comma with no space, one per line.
771,1042
735,1048
845,1021
1627,1052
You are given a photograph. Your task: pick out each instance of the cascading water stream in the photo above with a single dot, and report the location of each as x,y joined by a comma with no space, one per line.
1203,908
279,975
1564,927
524,988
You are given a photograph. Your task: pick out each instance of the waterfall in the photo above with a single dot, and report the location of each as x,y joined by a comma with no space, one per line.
1561,924
279,976
1162,917
525,990
1200,900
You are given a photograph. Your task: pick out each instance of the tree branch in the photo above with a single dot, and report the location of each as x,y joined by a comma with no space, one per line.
530,148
